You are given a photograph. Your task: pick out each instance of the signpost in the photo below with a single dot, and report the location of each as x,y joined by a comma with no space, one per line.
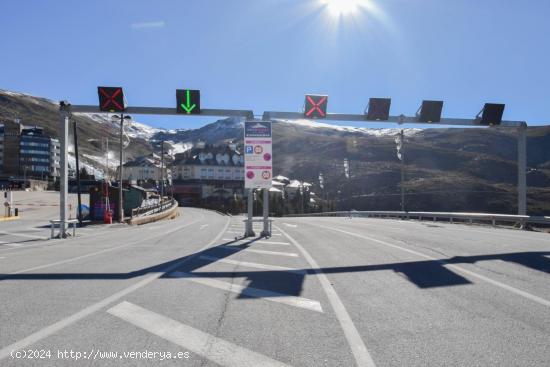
258,167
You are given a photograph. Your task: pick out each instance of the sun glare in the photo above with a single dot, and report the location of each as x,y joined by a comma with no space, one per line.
342,7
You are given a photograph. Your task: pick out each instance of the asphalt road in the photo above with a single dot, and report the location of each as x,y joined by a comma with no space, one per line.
319,292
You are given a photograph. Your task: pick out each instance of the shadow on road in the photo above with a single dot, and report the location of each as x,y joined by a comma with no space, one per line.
424,274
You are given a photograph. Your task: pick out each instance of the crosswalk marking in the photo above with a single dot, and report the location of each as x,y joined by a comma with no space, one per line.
234,248
299,302
208,346
253,265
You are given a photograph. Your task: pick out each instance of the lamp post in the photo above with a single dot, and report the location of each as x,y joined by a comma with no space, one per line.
400,141
122,117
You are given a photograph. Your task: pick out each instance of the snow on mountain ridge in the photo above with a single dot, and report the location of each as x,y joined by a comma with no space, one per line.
378,132
32,98
135,130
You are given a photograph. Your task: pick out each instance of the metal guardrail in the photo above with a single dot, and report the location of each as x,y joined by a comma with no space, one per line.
522,220
152,209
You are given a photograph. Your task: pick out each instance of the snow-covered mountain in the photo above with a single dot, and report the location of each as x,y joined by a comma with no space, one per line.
446,169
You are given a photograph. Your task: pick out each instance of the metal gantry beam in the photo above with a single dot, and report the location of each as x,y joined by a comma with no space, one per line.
165,111
401,119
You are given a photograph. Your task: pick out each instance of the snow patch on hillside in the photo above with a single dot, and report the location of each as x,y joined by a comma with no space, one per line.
180,147
89,168
33,99
133,129
363,130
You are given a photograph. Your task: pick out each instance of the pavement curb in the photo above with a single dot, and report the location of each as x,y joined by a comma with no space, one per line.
7,219
170,214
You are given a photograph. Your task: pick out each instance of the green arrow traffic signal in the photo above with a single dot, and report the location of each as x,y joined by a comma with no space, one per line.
188,101
188,107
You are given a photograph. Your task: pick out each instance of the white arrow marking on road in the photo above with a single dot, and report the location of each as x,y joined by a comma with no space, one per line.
235,248
299,302
253,265
208,346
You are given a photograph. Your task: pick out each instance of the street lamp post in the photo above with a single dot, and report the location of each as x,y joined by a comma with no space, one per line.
122,117
400,141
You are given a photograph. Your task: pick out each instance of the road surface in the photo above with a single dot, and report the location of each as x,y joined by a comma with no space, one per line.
319,292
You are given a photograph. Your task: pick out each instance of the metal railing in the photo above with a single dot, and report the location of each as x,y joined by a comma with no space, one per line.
152,209
521,220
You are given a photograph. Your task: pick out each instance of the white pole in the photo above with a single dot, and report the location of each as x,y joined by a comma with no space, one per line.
249,228
522,170
266,232
63,183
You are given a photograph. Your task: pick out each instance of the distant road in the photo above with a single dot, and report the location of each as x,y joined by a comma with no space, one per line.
319,292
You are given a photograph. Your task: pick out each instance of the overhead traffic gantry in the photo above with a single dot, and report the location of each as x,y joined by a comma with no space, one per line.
188,102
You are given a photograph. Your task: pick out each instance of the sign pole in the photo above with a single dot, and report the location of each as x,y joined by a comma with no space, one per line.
249,202
266,232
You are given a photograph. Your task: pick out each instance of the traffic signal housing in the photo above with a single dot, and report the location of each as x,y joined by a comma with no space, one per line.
188,101
379,109
430,111
316,106
111,99
492,114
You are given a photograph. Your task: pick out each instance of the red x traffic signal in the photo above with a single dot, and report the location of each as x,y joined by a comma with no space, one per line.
111,99
316,106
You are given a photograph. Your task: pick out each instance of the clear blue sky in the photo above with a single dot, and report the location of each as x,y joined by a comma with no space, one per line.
266,54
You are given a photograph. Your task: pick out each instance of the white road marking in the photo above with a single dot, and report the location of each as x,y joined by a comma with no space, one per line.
253,265
234,232
57,326
234,248
299,302
358,348
204,226
101,251
259,241
2,257
291,225
205,345
23,235
273,242
517,291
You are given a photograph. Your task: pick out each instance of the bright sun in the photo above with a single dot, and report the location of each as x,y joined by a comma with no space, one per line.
342,7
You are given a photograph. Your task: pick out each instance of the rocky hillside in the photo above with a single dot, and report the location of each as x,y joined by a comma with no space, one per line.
92,128
446,169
